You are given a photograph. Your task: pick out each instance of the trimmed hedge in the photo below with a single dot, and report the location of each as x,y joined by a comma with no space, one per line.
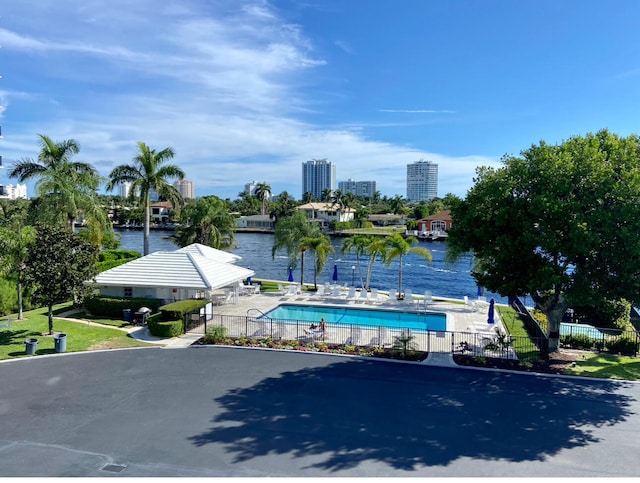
164,328
112,258
112,307
178,310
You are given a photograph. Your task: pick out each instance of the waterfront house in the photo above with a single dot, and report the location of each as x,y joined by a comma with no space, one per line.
325,213
255,223
435,227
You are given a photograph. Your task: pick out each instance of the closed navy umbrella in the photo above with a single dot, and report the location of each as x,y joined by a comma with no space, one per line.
290,275
335,272
491,316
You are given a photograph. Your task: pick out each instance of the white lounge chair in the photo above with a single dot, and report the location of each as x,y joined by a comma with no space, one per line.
356,335
373,296
393,296
352,294
428,298
292,291
364,295
472,305
408,296
336,294
320,291
281,289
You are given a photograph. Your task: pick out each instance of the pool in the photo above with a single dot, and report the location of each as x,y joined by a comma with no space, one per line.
393,319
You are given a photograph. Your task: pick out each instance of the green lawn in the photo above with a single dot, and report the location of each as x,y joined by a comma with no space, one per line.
607,367
80,336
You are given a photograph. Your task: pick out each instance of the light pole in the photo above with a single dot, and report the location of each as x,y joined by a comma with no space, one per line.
353,275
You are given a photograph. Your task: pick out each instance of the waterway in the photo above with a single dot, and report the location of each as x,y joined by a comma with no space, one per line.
440,278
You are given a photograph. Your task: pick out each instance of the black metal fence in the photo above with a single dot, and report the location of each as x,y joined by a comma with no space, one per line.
486,344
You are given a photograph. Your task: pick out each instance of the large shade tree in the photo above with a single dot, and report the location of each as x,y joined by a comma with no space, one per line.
57,265
63,185
559,223
149,171
206,221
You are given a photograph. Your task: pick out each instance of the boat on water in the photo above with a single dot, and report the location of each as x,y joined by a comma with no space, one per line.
435,235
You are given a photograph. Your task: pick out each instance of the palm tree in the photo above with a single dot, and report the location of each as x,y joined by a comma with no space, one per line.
359,244
338,199
397,205
289,233
398,247
148,172
284,206
14,252
326,195
263,193
206,221
64,186
377,247
320,246
307,197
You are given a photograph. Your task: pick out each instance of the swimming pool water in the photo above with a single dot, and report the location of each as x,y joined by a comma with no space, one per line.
354,316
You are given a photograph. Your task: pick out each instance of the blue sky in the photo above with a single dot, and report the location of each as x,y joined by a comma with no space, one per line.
247,91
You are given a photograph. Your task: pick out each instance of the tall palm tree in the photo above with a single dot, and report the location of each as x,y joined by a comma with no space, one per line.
398,247
149,172
64,186
359,244
320,246
284,206
397,205
289,233
326,195
206,221
263,193
376,248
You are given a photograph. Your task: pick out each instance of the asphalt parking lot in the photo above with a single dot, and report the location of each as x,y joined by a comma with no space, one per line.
214,411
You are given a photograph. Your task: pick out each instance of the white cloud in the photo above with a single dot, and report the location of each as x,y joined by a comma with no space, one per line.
216,82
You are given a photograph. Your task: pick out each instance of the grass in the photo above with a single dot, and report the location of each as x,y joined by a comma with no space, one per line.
607,367
80,336
524,349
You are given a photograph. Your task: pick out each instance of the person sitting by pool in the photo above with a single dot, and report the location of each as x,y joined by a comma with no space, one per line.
314,329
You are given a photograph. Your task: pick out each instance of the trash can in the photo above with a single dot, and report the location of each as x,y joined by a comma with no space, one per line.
60,341
31,346
127,314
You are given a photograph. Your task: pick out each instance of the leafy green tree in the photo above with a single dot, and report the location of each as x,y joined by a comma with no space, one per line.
64,186
307,197
358,244
361,216
399,247
288,236
283,206
206,221
149,171
397,205
58,264
263,193
15,241
559,223
320,247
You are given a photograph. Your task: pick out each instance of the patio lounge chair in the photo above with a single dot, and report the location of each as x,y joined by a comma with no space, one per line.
352,294
373,296
337,293
393,296
408,296
292,291
281,289
364,295
472,305
320,291
356,335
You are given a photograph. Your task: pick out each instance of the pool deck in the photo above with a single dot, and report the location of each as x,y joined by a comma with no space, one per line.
460,317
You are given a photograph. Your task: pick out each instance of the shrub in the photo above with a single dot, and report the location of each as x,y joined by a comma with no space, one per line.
164,328
578,340
622,345
112,307
178,310
215,334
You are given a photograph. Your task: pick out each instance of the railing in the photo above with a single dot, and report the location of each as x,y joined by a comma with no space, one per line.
489,344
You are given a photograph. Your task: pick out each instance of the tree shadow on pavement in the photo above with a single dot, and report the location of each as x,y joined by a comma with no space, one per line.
410,416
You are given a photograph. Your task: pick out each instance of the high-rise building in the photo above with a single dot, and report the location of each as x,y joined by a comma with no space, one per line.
365,189
318,175
124,188
422,181
10,192
250,188
185,188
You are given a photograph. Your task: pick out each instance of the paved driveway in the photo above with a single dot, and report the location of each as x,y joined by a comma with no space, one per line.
212,411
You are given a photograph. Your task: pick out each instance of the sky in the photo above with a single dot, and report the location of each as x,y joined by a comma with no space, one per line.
248,90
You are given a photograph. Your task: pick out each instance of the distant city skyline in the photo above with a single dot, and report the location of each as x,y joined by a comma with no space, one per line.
248,90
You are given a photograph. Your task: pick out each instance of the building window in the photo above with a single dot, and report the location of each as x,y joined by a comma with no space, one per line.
128,292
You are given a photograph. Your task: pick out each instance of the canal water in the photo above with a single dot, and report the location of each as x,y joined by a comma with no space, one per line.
440,278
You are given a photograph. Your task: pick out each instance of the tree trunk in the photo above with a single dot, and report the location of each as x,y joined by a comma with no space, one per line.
147,222
19,298
50,319
301,269
554,308
400,278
